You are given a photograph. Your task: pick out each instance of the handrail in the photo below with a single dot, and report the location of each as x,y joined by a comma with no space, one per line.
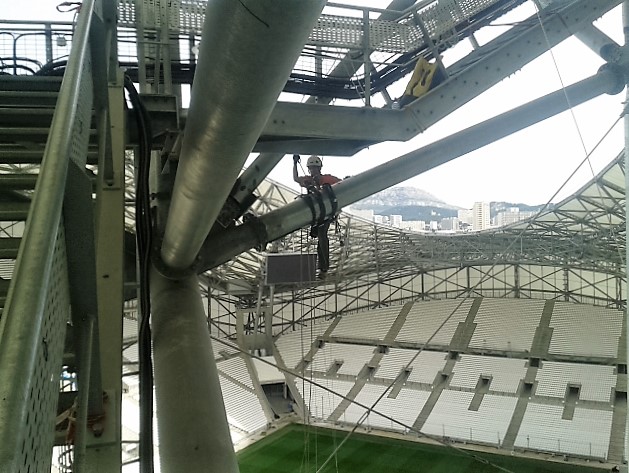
22,321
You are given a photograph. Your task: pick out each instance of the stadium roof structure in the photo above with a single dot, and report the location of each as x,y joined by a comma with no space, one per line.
583,235
64,246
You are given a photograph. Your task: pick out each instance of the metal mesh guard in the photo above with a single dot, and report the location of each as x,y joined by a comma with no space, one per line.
35,447
439,18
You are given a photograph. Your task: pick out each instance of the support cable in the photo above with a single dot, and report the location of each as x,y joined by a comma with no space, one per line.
563,87
488,272
311,382
485,277
144,235
572,114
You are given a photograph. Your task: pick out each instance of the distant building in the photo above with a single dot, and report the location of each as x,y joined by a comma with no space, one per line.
450,224
396,221
379,218
511,215
466,216
414,225
482,218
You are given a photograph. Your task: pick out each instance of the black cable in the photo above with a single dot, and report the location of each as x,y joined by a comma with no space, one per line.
144,234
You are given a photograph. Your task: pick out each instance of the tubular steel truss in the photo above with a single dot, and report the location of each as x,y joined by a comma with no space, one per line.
571,251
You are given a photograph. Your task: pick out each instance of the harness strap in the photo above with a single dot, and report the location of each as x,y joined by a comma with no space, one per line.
311,206
327,188
319,199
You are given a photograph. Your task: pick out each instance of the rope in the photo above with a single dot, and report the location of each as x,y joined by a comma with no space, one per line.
486,274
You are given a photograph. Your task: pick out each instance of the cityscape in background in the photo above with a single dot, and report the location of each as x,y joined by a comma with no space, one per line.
412,209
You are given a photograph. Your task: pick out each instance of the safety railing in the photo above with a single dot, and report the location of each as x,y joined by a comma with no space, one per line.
33,325
159,41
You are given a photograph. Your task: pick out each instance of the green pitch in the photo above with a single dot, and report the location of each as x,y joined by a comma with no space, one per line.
302,449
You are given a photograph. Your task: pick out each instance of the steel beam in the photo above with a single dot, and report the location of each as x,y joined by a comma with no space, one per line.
597,41
343,131
192,424
299,213
247,53
104,452
625,24
241,196
242,193
22,323
291,124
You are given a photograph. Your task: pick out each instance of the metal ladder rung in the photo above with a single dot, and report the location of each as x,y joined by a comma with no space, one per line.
14,211
9,247
18,181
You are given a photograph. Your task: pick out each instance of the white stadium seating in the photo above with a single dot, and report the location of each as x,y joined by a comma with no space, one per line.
243,407
587,434
352,357
319,401
596,382
425,318
451,417
237,369
460,412
404,408
596,333
506,324
505,373
370,325
293,345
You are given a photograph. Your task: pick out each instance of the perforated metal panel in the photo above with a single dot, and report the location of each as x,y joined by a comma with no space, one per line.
34,321
37,436
82,124
439,17
348,32
182,16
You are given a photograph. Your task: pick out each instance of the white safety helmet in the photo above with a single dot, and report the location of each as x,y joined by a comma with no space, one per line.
314,160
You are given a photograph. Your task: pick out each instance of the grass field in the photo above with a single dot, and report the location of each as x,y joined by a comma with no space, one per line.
301,449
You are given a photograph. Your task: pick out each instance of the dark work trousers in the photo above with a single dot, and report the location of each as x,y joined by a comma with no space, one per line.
323,246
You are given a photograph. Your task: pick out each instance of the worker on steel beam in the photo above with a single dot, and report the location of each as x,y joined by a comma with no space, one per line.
315,183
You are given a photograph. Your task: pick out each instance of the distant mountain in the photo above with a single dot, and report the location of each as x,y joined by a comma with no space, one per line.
497,207
416,204
402,197
409,202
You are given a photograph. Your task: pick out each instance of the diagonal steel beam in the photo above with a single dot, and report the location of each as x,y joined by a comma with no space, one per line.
301,212
248,50
304,128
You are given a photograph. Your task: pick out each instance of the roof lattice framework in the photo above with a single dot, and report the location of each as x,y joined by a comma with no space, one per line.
585,233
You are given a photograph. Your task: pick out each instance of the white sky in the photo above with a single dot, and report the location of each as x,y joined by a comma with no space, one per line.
527,167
